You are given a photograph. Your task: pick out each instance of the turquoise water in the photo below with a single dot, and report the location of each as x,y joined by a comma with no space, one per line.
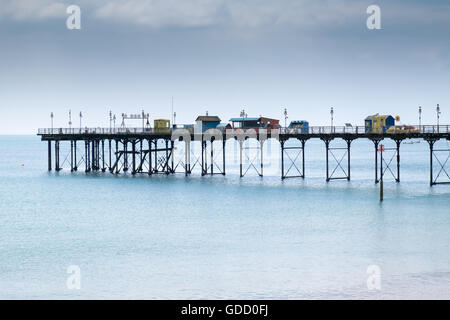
172,237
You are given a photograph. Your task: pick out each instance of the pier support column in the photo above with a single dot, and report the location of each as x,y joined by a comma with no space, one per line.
140,155
86,156
103,156
133,157
49,155
117,157
75,168
156,154
125,154
349,142
172,158
282,159
376,142
110,155
240,157
212,156
303,158
187,156
327,147
93,156
167,156
57,168
223,155
71,155
398,143
203,157
149,157
261,146
431,143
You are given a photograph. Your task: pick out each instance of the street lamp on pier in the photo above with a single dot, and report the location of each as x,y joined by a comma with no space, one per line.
285,117
438,113
332,118
51,117
420,118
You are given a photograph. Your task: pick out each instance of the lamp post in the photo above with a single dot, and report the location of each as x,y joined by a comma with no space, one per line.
438,112
174,118
110,120
51,117
420,118
285,117
81,116
70,119
114,121
332,118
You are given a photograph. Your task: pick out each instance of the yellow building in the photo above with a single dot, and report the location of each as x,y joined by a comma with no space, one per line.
162,125
379,123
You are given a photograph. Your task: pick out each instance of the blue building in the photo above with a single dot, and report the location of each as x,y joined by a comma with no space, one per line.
203,123
378,123
299,124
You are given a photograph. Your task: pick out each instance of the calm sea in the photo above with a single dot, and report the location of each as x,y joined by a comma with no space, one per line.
172,237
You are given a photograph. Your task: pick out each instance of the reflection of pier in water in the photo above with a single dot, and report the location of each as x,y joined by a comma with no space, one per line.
150,151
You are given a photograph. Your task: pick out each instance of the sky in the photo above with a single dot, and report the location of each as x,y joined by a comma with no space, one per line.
222,56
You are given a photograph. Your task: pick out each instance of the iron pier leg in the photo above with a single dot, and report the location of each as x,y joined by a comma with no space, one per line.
86,155
150,157
117,157
57,168
212,158
125,154
327,147
431,143
172,170
156,155
240,158
376,142
167,156
75,168
49,155
133,157
71,155
103,156
223,156
398,142
282,159
203,161
348,159
93,155
140,155
303,159
110,155
186,155
262,161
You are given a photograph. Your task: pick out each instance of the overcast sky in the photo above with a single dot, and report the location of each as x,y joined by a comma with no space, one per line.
222,56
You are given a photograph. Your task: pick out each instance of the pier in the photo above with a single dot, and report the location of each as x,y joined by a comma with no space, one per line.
151,151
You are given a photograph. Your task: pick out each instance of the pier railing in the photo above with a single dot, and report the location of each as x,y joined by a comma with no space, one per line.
424,129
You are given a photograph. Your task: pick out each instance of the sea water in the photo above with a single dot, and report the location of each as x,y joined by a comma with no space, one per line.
224,237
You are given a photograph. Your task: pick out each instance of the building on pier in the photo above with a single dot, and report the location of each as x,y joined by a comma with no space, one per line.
379,123
254,123
203,123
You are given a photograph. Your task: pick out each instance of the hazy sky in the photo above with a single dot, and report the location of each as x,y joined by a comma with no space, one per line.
222,56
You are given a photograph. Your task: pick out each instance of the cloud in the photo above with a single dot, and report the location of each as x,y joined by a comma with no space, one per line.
161,13
230,13
20,10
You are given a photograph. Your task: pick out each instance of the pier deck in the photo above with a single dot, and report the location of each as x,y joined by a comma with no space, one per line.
150,151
